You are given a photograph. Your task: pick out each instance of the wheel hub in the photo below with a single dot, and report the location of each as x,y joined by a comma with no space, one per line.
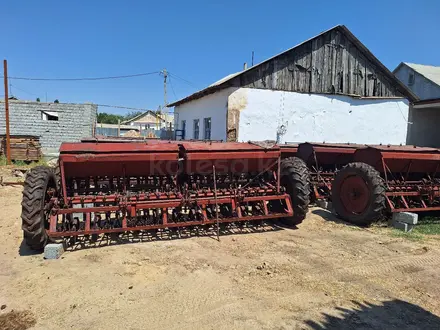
354,194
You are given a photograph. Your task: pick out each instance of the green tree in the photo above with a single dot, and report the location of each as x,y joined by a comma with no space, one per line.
132,114
108,118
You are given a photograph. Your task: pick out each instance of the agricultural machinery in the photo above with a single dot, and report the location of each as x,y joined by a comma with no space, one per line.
366,183
385,179
108,188
323,161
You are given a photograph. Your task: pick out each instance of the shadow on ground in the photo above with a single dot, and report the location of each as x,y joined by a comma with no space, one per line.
24,250
92,241
393,314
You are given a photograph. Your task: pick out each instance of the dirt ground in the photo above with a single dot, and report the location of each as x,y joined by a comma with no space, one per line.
322,275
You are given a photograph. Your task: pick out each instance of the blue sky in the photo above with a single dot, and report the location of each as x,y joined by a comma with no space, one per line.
199,41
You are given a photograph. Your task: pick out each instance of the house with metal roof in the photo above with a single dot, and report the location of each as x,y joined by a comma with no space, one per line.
422,80
424,115
328,88
146,120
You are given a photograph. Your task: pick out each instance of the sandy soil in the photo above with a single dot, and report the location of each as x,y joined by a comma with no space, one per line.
322,275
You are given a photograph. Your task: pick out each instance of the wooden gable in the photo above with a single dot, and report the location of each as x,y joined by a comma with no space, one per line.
333,62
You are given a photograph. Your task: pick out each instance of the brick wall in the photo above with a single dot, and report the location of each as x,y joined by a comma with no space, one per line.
75,121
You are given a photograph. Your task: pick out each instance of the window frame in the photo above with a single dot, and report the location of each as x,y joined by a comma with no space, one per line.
50,115
205,122
411,78
196,124
183,123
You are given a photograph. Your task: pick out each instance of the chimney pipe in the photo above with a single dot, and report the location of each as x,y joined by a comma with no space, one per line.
244,66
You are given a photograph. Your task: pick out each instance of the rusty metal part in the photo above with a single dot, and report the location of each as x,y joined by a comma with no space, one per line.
411,175
289,150
323,160
354,194
115,187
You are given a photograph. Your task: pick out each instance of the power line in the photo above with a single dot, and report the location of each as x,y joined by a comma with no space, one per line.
24,90
121,107
99,105
87,78
188,82
124,107
172,88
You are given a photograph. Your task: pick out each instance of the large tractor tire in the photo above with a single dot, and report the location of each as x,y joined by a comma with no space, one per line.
295,178
358,194
40,185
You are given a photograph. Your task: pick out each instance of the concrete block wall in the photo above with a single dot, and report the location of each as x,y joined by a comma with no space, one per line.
75,121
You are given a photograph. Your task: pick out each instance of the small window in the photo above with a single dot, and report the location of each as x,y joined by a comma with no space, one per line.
49,115
207,128
183,129
411,79
196,129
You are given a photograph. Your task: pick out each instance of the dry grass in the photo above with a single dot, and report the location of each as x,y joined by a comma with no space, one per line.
3,162
14,320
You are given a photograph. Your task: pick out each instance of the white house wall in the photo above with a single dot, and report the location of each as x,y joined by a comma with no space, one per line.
213,106
298,117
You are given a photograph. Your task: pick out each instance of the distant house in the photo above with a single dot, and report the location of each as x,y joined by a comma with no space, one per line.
114,129
328,88
150,120
423,80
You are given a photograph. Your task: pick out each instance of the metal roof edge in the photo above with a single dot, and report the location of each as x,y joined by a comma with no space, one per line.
141,115
418,72
398,67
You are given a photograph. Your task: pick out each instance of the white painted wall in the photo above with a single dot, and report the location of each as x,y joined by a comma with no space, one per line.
213,105
298,117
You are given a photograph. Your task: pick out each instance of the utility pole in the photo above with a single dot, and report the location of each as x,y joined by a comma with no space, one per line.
164,72
8,138
165,76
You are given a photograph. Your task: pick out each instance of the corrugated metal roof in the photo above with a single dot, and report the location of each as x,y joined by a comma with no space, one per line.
224,79
151,112
223,83
428,71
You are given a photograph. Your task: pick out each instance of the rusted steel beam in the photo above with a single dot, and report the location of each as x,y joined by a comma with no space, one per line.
168,225
163,196
169,204
416,209
412,193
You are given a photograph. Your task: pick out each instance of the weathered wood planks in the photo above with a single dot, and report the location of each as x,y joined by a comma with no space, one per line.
329,63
